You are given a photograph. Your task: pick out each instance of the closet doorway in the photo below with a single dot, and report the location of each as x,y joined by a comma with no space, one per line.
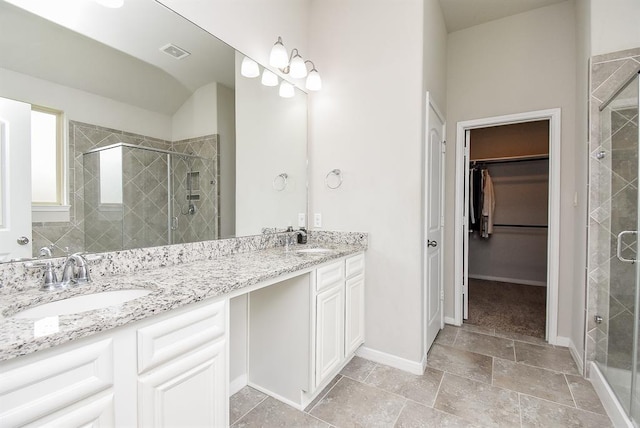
507,187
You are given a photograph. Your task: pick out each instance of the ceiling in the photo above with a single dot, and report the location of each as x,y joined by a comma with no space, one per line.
461,14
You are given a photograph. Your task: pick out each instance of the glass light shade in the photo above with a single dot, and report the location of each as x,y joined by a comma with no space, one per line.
249,68
269,79
279,57
114,4
297,68
286,90
314,83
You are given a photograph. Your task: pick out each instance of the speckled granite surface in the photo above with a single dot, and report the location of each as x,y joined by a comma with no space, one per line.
177,275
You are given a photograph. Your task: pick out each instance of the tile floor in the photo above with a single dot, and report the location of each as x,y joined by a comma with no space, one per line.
475,378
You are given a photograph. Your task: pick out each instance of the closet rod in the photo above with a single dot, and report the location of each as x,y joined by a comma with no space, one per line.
511,159
534,226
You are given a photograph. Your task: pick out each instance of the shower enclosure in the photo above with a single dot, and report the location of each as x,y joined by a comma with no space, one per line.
138,196
617,355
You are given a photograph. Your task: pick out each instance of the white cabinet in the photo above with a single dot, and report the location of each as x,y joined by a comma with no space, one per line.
339,317
168,370
182,367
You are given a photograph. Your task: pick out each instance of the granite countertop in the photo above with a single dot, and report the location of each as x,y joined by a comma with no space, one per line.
172,287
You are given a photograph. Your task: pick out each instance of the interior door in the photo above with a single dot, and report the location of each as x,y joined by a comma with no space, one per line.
15,180
434,222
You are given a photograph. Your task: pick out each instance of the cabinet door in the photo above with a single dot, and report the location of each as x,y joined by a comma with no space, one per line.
329,331
354,314
189,391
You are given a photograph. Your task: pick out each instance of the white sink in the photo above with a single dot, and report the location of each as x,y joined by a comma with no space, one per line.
85,302
314,250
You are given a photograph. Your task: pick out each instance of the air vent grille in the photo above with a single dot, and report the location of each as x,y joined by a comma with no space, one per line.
174,51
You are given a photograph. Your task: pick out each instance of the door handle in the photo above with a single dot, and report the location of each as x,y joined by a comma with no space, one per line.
432,243
619,246
23,240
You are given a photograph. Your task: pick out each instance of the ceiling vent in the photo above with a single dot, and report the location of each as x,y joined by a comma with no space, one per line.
174,51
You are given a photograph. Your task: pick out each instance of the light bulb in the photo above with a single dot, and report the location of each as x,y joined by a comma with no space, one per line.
314,83
286,90
278,57
297,68
249,68
269,79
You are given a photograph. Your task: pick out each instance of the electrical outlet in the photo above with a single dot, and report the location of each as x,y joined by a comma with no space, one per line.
317,220
302,219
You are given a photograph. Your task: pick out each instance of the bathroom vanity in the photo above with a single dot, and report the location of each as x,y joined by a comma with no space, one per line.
163,359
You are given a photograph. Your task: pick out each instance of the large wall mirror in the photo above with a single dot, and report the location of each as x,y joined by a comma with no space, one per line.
141,131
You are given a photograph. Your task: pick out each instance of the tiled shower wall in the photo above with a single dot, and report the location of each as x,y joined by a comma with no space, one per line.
84,137
611,197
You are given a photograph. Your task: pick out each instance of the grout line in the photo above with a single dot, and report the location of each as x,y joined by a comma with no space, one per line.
251,409
520,408
573,398
493,359
400,412
323,397
564,405
435,397
364,381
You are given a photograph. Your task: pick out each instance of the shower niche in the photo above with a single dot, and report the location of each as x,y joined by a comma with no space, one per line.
137,196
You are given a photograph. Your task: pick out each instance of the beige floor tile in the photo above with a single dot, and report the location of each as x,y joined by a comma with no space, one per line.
463,363
584,395
324,392
478,402
478,329
358,369
542,413
558,359
419,388
273,413
484,344
523,338
447,335
243,401
352,403
416,415
531,380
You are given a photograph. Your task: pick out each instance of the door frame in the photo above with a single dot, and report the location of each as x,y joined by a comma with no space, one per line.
429,103
553,236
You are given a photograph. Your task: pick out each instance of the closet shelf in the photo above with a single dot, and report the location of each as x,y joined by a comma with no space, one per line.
512,159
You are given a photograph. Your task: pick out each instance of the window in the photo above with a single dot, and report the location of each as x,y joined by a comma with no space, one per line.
47,157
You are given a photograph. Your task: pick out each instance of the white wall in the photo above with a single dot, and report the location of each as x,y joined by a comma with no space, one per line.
521,63
583,52
368,121
434,48
615,25
198,115
83,106
227,133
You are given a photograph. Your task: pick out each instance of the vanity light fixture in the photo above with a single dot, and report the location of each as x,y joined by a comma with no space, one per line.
269,78
314,83
249,68
286,89
294,65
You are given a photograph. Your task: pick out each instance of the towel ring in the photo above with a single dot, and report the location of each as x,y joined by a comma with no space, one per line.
280,182
334,172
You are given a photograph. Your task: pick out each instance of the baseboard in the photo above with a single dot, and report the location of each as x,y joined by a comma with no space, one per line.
278,397
611,404
415,367
511,280
450,320
576,356
237,384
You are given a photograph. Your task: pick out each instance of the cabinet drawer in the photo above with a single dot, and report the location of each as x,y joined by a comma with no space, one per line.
329,276
172,337
42,386
355,265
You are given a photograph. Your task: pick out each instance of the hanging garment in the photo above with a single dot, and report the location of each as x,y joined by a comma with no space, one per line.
475,198
488,205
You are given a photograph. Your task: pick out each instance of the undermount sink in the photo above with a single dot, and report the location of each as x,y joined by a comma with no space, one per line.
313,250
85,302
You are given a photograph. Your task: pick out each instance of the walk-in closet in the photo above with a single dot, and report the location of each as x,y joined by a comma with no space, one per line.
508,196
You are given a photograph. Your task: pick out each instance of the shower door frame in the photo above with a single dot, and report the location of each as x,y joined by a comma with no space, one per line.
553,244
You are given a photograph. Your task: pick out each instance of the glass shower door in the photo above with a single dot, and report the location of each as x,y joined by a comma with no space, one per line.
616,351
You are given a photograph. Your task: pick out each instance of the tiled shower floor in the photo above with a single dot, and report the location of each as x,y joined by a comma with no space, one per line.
474,378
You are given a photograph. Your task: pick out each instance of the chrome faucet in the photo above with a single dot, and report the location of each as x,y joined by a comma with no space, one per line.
75,270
